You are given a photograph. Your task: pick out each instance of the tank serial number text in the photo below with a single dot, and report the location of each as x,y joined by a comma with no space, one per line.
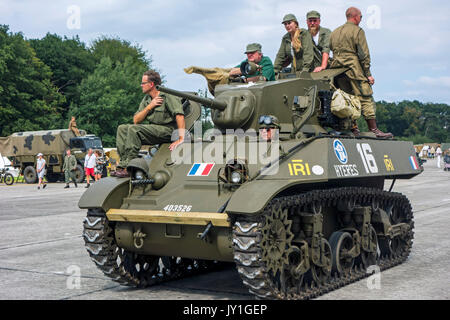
227,311
178,207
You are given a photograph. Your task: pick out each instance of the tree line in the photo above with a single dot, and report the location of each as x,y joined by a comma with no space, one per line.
43,82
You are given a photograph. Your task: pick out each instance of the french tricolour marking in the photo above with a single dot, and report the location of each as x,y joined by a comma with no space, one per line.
200,169
340,151
413,162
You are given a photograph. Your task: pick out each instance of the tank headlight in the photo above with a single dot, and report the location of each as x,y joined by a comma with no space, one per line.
139,175
236,177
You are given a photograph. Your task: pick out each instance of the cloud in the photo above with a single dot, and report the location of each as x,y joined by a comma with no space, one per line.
410,44
437,82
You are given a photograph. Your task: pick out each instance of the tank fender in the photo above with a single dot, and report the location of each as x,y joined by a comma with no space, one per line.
252,197
106,193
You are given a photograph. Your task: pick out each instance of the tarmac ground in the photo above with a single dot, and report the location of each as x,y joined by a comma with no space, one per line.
42,254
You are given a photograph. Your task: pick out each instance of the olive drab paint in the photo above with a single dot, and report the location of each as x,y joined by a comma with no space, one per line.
228,209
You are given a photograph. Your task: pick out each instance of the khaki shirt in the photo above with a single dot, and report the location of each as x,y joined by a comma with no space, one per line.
322,47
70,163
304,58
350,49
164,114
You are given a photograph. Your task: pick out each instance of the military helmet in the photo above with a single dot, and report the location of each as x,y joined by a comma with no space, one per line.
268,121
289,17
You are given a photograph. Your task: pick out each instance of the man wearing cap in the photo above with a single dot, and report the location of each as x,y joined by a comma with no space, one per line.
40,169
265,67
296,47
349,45
158,115
321,40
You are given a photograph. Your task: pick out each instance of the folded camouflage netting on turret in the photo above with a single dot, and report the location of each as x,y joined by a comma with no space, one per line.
214,76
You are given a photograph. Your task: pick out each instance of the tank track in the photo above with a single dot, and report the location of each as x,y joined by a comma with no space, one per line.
249,255
130,269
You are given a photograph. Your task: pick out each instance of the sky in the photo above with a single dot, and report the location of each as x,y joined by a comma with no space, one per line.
409,41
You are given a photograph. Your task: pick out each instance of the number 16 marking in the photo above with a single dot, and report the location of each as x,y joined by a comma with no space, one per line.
368,159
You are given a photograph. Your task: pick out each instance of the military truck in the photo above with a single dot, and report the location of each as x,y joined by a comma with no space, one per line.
22,147
299,216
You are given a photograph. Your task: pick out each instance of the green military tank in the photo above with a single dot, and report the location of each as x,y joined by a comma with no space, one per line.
299,215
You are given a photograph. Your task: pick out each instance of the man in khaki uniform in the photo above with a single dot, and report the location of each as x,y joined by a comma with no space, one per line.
350,49
296,47
162,111
73,127
321,40
69,166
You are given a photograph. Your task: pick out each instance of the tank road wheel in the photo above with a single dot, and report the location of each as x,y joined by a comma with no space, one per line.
9,179
399,245
369,258
30,174
341,244
321,272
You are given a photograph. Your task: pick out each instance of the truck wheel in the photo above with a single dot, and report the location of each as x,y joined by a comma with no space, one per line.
79,174
30,174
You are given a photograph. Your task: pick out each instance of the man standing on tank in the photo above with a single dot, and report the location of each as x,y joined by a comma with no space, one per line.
296,47
163,113
349,45
321,41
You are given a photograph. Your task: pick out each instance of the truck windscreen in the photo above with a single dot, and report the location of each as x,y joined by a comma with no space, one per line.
94,143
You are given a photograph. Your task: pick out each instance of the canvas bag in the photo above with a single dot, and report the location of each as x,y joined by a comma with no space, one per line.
344,105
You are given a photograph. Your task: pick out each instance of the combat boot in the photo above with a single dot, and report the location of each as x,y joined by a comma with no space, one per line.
372,124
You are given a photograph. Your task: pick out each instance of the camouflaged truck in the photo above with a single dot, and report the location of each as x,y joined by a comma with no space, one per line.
22,147
300,216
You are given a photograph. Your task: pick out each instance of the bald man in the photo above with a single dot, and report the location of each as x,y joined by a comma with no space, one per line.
350,49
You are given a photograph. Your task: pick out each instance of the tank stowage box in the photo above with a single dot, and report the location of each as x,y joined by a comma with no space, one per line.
300,208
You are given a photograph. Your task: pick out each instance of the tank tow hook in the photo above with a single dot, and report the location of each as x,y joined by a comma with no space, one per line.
139,237
204,236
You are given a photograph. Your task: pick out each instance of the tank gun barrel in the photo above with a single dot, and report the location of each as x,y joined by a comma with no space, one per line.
207,102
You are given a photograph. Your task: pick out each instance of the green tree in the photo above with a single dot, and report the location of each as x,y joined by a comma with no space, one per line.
28,99
109,97
70,62
119,50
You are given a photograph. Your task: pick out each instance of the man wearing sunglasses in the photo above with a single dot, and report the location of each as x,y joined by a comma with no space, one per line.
268,126
158,115
350,49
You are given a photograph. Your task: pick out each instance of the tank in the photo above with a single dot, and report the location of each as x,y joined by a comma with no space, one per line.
298,215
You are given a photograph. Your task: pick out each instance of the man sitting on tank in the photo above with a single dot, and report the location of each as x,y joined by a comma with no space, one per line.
265,70
158,115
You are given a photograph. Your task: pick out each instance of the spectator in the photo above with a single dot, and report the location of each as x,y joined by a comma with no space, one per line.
89,165
99,165
40,168
438,155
